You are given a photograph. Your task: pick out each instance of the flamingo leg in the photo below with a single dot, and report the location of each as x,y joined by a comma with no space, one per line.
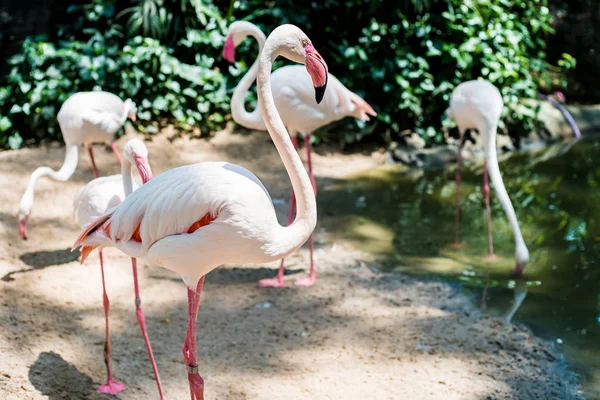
488,213
312,276
189,345
111,386
142,322
277,282
113,146
94,169
458,180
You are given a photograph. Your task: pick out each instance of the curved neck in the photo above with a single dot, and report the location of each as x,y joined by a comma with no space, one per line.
290,238
127,176
63,174
491,158
253,119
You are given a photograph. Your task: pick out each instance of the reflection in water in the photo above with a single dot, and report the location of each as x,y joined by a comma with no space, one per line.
406,218
520,291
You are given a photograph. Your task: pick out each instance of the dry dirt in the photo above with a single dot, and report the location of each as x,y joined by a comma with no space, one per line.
357,334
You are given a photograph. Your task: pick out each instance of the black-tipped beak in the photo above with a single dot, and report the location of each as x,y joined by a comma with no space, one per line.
320,92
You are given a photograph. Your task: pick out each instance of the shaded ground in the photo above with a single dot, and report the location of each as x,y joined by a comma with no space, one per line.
356,334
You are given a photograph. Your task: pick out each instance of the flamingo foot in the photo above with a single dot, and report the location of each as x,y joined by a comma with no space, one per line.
272,282
492,258
458,245
111,387
196,385
306,281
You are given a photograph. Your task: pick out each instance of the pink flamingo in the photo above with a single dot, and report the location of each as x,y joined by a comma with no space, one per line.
195,218
85,118
92,201
299,112
478,105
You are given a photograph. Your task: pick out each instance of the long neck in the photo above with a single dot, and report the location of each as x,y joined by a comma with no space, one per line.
63,174
127,176
253,119
491,158
290,238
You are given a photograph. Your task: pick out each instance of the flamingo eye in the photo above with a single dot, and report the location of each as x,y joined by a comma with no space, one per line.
304,42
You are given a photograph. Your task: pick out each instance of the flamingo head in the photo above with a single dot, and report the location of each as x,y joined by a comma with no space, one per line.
522,259
560,96
229,49
130,109
23,218
237,32
137,154
294,45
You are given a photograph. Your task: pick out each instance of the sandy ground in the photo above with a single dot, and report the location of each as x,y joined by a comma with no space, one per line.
357,334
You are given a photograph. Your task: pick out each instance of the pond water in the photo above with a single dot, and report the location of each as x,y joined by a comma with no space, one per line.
406,218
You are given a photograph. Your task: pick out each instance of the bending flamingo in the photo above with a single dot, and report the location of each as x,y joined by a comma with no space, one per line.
478,105
292,91
92,201
194,218
85,118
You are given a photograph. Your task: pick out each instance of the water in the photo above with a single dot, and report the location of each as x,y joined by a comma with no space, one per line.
406,218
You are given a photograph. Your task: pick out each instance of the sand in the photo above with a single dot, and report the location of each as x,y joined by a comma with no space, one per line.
357,334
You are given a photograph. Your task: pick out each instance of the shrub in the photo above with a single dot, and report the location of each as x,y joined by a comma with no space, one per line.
87,56
406,57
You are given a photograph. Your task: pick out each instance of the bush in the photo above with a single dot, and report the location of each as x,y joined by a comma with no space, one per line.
405,58
90,57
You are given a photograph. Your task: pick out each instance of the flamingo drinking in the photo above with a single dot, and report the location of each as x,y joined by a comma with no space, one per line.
92,201
194,218
478,105
292,92
84,118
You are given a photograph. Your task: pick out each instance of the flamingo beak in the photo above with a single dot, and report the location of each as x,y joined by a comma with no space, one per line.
229,50
133,117
143,167
518,272
318,71
23,227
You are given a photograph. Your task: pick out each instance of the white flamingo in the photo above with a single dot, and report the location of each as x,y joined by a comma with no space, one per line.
92,201
294,99
478,105
194,218
85,118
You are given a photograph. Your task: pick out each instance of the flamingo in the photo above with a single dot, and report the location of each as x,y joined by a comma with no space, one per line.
478,105
194,218
298,110
93,200
84,118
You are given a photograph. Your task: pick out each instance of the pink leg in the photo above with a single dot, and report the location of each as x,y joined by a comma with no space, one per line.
189,345
142,322
116,151
110,386
458,178
312,276
488,214
94,169
277,282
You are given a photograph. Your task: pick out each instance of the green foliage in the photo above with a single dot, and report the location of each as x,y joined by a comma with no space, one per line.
405,58
180,83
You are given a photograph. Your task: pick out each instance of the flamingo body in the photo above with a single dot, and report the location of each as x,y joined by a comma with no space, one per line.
84,118
478,105
241,226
